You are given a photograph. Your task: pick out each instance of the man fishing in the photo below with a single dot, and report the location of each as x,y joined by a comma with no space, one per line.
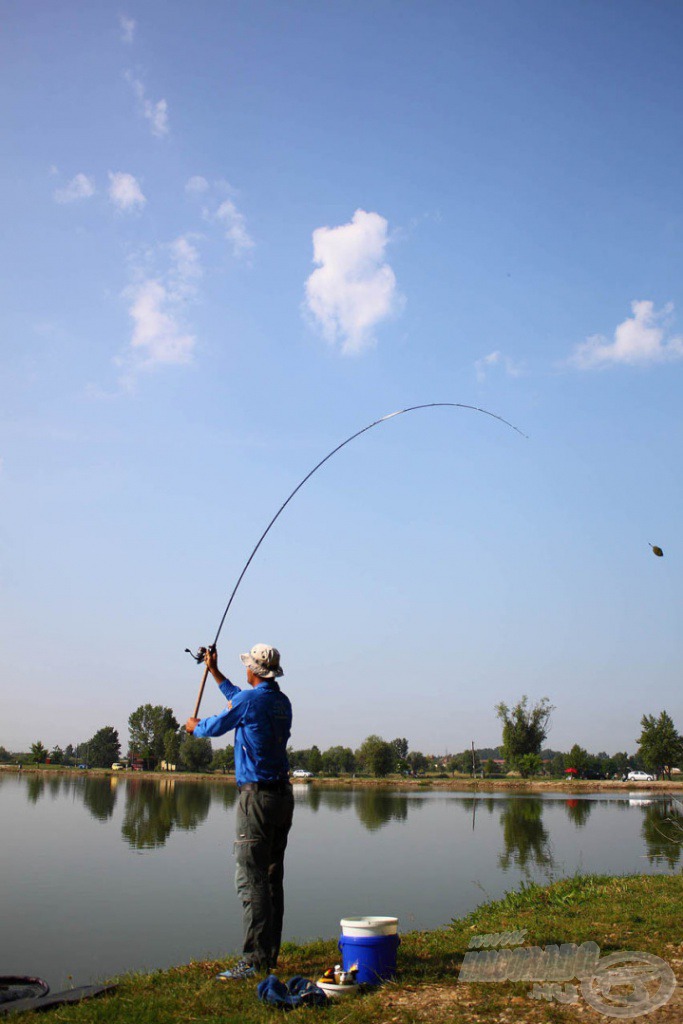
262,719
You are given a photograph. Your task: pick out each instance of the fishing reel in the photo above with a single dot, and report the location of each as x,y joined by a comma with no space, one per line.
201,653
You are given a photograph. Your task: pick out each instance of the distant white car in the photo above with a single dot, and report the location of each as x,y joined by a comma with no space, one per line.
300,773
639,777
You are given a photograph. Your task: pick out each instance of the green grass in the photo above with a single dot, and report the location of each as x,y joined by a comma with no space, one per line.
641,913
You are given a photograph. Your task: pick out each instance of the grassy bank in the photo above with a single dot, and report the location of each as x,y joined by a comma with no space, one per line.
641,913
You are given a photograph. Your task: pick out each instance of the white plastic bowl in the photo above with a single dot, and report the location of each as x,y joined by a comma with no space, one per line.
338,991
364,926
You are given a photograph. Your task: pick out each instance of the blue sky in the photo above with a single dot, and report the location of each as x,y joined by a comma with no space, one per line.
236,233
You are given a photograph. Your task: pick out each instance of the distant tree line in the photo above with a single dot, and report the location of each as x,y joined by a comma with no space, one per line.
156,739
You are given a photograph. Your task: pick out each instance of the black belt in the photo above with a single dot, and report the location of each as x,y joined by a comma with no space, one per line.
267,787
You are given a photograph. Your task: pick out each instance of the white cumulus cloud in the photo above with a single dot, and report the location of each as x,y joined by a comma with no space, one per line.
638,340
158,303
80,187
157,337
128,26
235,227
353,288
124,191
155,113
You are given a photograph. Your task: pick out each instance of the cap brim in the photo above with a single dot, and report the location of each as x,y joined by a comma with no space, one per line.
259,670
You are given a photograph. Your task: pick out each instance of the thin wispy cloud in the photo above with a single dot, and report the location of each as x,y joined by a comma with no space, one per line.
186,269
80,187
640,340
235,227
155,113
196,185
125,192
496,361
158,304
128,26
353,288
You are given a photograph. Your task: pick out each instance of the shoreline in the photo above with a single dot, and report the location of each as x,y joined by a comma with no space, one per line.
638,913
395,783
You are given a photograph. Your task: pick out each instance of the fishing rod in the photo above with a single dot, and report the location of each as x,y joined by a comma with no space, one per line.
199,656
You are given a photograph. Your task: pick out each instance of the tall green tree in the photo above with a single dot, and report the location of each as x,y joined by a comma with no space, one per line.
338,761
577,758
38,753
56,755
525,726
376,756
147,727
417,761
104,748
400,745
224,759
315,760
660,745
529,765
171,746
195,753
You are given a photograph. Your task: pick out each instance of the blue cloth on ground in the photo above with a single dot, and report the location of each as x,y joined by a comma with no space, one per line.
298,991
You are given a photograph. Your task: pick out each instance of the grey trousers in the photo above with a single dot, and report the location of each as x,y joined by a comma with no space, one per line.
264,819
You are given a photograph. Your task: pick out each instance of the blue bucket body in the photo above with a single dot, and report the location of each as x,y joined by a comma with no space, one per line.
374,954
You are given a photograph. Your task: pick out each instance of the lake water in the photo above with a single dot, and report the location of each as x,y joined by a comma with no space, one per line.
100,876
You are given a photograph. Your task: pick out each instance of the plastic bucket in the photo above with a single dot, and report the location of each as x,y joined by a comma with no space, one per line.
374,955
360,926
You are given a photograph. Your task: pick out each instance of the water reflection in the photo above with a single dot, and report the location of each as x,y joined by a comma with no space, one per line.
99,796
527,843
150,809
662,830
376,807
225,795
35,787
579,811
153,809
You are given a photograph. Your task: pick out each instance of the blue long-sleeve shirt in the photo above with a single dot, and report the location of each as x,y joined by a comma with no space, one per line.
262,719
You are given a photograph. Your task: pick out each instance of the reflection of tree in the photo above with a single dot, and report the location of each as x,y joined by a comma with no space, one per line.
153,809
54,785
375,807
99,796
336,799
314,797
662,833
224,795
578,811
35,786
526,841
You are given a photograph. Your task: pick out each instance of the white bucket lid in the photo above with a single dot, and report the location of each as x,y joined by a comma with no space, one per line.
370,924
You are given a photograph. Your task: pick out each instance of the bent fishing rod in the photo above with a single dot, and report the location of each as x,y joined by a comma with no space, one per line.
199,656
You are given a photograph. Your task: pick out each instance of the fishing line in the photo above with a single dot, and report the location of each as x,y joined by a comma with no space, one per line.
200,656
412,408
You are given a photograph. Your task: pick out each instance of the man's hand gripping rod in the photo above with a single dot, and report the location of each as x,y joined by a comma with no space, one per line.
199,657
